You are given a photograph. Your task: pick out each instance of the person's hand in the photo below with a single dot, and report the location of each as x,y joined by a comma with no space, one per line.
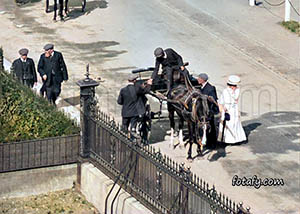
45,77
182,68
149,81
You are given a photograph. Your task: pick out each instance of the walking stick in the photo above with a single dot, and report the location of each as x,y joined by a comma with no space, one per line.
224,124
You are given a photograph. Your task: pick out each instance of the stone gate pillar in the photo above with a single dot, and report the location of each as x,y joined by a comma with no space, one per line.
87,100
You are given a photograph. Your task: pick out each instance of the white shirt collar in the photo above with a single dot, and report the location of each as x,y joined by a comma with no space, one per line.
203,85
23,60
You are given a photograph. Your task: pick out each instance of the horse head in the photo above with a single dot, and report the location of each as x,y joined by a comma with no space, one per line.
200,114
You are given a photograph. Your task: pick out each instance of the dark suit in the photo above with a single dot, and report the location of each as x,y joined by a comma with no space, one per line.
171,61
55,69
24,71
210,90
132,98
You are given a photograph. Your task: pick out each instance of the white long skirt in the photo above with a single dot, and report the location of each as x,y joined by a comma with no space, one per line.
233,132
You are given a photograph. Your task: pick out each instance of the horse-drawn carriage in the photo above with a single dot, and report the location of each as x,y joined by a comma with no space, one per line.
184,99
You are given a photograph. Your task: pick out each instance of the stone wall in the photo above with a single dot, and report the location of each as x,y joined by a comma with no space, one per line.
37,181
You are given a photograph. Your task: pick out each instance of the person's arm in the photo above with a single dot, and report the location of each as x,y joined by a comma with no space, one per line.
41,68
157,64
63,67
13,69
143,89
120,98
178,59
213,93
34,71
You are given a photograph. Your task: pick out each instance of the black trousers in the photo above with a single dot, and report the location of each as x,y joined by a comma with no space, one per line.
53,91
132,121
168,71
212,135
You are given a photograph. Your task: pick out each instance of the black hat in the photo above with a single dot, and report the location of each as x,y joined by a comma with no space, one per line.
48,47
23,52
158,52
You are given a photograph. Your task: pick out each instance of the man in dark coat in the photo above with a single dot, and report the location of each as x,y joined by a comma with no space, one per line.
53,71
170,61
23,69
209,90
132,99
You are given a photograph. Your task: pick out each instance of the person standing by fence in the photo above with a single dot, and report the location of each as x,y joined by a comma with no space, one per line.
132,99
53,71
24,69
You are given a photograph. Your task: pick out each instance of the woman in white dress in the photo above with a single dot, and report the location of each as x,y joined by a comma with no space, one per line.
228,102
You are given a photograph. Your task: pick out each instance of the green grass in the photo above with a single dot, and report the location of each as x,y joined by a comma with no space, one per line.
292,26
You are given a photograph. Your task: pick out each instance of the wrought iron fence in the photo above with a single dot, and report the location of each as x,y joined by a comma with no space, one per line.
39,153
157,181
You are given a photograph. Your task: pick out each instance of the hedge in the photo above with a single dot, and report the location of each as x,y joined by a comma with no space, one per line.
25,116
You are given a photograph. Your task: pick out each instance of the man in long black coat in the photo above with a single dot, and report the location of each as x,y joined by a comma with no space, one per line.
53,71
132,99
210,90
170,61
23,69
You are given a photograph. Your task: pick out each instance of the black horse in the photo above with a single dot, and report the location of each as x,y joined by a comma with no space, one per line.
61,8
191,106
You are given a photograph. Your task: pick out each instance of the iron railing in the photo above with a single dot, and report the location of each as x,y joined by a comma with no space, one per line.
158,182
39,153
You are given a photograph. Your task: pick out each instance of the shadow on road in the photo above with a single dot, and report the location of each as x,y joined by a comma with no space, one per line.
75,9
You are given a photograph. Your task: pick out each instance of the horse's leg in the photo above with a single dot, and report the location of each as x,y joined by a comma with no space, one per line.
198,140
83,3
171,111
181,123
66,7
190,128
47,6
55,8
61,8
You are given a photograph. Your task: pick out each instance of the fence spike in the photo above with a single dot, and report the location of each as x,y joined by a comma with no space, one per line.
226,201
248,209
230,204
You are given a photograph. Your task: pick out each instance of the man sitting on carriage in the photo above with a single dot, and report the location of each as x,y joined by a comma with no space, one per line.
171,62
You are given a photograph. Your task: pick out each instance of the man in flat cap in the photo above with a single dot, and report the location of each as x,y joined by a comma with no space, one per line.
53,71
210,90
23,69
133,101
170,61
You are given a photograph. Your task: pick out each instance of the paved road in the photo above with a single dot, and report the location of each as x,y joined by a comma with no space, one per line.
217,37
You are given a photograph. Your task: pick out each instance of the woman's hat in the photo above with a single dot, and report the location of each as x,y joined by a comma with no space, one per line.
233,80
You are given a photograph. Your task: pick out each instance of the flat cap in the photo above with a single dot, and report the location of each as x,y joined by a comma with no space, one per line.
158,52
48,47
23,51
203,76
233,80
132,77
